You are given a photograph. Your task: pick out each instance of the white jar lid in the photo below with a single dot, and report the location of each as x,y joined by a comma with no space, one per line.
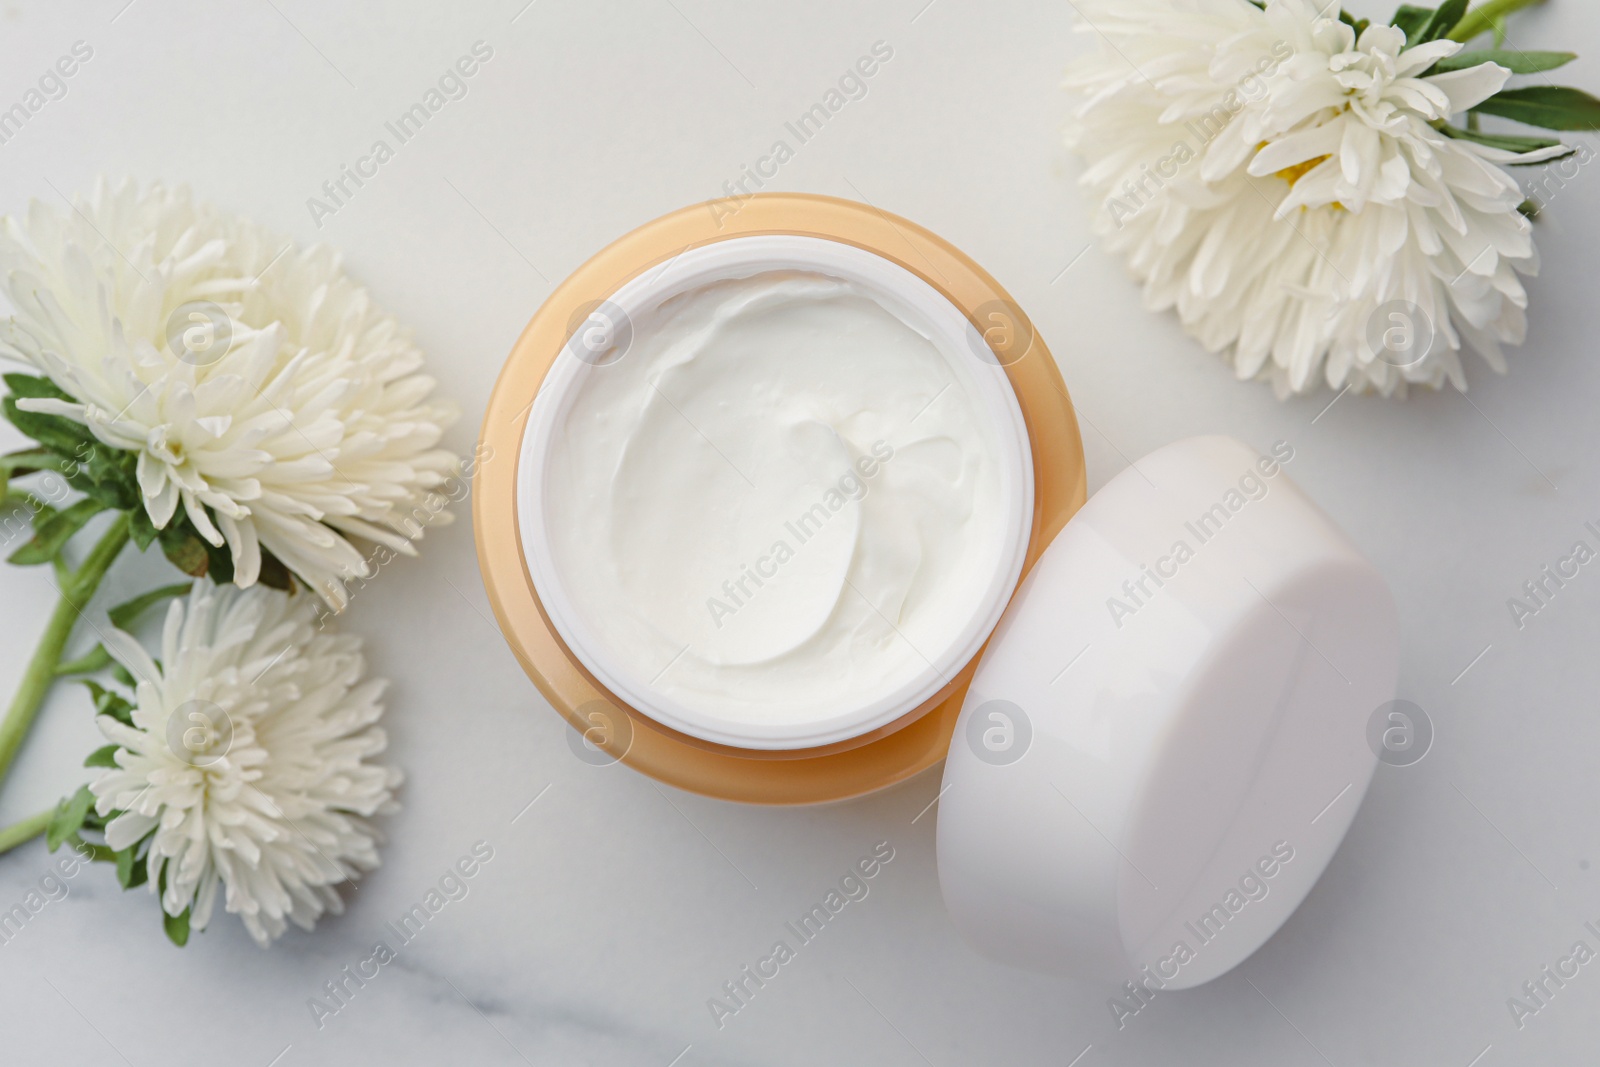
1166,739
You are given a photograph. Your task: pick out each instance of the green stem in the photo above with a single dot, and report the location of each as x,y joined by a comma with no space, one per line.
97,658
1484,18
26,830
41,670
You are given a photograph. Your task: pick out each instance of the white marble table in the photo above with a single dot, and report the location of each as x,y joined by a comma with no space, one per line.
612,908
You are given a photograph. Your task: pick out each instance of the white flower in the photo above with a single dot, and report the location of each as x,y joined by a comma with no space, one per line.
1281,184
247,758
293,419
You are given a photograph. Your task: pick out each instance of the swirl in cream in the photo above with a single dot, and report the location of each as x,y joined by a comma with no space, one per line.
781,504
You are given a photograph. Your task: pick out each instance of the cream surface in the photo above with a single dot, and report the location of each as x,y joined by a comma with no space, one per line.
779,505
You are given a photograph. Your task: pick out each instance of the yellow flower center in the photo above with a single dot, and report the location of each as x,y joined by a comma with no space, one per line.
1299,170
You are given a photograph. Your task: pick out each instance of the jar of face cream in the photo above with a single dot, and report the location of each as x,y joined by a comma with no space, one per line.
768,505
754,488
772,496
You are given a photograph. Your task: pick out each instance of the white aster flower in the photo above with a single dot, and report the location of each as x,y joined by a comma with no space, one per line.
248,759
259,385
1280,183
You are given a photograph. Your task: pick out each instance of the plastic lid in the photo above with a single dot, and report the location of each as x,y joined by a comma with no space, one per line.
1166,739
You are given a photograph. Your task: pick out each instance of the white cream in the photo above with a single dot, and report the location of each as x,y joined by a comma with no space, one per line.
784,505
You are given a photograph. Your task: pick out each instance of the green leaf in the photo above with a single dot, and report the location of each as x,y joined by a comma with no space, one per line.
30,460
177,927
1506,141
104,756
186,551
132,870
55,432
96,853
123,675
1359,25
100,464
1553,107
139,875
221,566
52,535
1514,61
34,387
274,574
68,817
1443,21
140,528
125,865
109,701
118,707
109,494
124,615
1413,20
107,474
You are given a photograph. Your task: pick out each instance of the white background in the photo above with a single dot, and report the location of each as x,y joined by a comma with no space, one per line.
613,908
